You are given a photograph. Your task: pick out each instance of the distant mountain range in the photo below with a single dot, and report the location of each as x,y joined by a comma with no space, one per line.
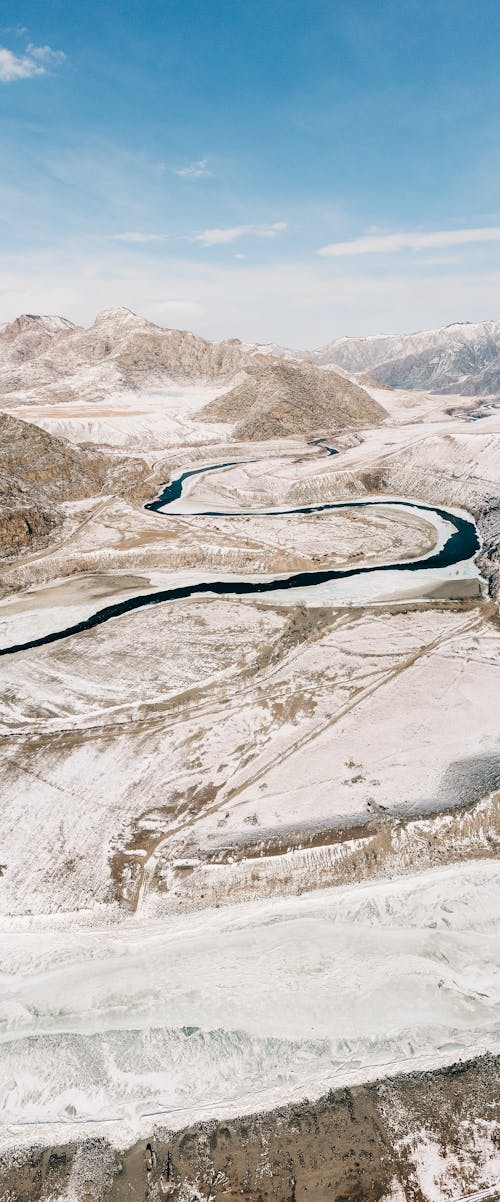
462,358
271,390
263,396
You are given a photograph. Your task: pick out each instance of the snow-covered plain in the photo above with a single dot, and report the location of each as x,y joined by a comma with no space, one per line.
229,1011
144,423
191,728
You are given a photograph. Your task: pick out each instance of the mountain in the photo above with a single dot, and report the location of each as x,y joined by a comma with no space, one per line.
461,358
142,352
279,399
267,395
120,350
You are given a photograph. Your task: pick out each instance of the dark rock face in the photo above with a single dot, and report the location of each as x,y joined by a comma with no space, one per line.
23,525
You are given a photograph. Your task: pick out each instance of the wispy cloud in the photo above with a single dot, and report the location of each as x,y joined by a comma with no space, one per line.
138,236
46,55
19,30
36,60
194,170
212,237
220,237
376,244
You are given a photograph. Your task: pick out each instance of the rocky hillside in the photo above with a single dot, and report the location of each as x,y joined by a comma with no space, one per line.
277,399
462,358
28,336
39,472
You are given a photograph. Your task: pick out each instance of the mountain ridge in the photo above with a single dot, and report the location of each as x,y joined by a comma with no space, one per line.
122,351
462,357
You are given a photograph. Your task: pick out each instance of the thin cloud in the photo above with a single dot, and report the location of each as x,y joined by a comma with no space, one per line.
138,236
376,244
45,55
19,30
221,237
194,170
180,310
36,60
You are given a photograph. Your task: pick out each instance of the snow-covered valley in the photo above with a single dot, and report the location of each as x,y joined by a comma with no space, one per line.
249,831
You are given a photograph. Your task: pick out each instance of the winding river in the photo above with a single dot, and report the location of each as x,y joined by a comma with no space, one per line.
461,546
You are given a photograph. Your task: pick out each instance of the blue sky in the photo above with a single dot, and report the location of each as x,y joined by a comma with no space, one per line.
281,170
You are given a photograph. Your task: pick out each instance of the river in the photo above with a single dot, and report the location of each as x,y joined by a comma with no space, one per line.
459,547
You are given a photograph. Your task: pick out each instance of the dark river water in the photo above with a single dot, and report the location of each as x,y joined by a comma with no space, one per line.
462,545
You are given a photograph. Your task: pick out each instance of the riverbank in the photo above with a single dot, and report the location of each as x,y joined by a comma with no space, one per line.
424,1137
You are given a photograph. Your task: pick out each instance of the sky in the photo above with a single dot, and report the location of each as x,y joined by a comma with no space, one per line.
277,170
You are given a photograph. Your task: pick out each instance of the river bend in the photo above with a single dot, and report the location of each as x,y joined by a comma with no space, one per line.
461,546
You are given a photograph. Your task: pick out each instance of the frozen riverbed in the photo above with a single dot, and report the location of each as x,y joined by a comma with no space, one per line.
228,1011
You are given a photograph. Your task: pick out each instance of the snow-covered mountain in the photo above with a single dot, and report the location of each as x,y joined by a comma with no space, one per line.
120,349
49,359
464,357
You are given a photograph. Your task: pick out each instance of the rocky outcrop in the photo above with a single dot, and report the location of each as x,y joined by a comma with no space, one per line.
25,520
42,461
39,472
